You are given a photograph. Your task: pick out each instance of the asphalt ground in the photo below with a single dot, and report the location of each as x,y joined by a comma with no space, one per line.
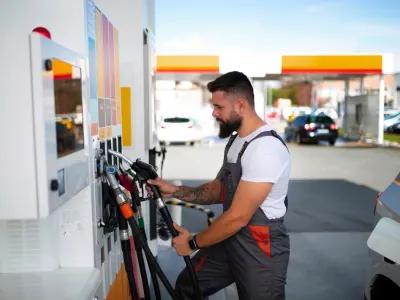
330,216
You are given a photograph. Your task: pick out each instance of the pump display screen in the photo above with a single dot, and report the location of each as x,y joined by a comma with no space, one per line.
68,107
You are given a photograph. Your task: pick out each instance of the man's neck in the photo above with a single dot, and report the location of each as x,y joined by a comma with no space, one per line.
249,125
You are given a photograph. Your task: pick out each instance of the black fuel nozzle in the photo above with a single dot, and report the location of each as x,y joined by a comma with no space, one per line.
145,171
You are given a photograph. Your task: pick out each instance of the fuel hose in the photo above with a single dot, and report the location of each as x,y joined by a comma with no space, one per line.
128,214
144,172
131,187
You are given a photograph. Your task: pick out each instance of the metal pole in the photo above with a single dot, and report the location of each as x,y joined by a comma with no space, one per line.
381,109
345,111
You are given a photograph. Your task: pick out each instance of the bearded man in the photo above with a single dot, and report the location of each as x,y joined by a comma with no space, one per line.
247,244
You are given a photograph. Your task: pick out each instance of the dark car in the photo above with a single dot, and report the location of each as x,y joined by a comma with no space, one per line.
394,128
310,128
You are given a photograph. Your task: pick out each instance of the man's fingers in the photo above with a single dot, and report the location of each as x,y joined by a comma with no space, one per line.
156,181
179,228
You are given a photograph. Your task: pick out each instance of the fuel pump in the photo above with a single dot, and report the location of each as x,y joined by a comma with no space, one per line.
144,172
128,214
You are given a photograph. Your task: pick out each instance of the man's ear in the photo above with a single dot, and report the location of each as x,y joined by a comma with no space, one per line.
241,104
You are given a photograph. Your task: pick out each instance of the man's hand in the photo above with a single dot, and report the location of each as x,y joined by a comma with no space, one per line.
181,242
166,188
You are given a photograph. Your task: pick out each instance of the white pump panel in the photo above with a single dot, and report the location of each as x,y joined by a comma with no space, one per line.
58,101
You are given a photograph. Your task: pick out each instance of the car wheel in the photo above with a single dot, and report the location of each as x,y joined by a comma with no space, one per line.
192,143
332,142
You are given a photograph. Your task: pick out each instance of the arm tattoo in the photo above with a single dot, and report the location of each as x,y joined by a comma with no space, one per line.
198,195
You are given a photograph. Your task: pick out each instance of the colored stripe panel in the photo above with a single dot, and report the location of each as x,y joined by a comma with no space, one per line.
113,112
99,55
102,133
340,64
126,116
94,129
188,63
109,132
112,61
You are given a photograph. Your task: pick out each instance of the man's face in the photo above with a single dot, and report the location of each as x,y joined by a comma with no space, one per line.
225,112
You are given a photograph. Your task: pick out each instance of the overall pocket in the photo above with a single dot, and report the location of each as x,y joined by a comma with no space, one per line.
261,235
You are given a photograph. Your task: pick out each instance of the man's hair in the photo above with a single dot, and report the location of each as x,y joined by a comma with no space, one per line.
235,83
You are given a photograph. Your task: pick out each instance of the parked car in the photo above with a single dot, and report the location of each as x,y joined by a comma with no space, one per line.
390,121
178,130
291,112
383,280
390,113
394,128
312,129
330,112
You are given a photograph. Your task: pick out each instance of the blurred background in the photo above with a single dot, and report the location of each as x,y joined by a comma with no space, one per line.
337,58
326,76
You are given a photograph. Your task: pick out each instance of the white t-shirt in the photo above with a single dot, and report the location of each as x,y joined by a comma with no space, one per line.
266,159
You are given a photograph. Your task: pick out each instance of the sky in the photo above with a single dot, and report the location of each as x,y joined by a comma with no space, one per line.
250,27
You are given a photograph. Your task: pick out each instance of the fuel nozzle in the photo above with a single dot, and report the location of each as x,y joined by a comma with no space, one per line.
145,172
120,196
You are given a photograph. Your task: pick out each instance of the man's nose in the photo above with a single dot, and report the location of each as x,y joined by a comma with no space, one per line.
214,113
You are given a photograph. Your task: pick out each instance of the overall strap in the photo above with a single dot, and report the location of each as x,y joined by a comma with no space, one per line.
260,135
229,144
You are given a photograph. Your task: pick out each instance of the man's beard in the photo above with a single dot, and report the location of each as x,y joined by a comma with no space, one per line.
233,124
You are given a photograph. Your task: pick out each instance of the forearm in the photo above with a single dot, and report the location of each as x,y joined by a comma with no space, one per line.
205,194
222,228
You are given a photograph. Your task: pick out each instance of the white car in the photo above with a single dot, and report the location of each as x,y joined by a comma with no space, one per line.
178,130
389,113
391,120
384,243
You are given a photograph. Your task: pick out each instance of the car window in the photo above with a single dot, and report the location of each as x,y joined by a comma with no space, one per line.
320,119
176,120
392,115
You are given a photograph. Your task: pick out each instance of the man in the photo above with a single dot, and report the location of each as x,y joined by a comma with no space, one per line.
248,243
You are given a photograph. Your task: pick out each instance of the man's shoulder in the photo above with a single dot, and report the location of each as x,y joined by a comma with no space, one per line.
267,144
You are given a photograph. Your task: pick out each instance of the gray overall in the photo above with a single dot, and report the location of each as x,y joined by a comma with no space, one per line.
255,258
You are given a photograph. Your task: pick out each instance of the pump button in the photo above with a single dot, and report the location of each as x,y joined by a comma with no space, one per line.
54,185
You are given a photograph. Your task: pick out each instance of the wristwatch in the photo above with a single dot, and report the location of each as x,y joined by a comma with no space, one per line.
193,243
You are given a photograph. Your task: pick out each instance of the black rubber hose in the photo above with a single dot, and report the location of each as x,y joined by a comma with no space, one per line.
126,252
153,275
150,258
147,171
135,207
142,267
168,220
